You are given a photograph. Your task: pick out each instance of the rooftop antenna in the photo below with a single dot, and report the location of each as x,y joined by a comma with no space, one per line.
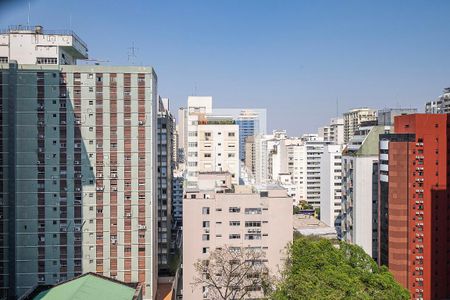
337,106
132,53
29,12
195,89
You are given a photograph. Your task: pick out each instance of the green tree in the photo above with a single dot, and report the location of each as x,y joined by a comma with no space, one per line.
319,268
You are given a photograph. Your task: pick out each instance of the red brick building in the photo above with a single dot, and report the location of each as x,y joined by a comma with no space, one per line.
414,204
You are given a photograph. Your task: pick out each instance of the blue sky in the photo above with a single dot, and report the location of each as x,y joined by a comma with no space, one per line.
294,58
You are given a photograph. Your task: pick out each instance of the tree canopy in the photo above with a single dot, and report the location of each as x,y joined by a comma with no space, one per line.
319,268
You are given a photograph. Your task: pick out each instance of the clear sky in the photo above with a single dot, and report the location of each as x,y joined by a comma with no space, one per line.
295,58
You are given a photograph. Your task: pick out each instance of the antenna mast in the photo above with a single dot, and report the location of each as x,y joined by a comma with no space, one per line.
29,12
132,54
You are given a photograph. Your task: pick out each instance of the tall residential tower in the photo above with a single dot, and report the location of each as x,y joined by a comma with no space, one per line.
78,190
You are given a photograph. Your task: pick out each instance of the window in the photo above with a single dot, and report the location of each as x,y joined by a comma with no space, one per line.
205,224
253,211
234,236
205,249
205,210
46,60
234,209
205,237
252,223
3,60
235,223
231,155
207,154
231,134
253,236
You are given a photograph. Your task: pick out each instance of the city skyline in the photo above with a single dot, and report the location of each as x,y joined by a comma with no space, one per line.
224,150
230,50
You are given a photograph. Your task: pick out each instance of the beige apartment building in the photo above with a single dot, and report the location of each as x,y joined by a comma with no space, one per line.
219,214
353,119
218,147
77,164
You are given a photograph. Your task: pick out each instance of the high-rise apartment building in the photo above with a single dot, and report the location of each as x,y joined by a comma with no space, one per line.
251,122
334,132
354,118
414,204
177,199
218,145
213,141
304,157
196,111
218,214
441,105
166,163
78,165
358,190
331,186
182,124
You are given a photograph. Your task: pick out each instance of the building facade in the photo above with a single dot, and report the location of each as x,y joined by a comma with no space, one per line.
216,216
218,147
441,105
195,113
334,132
78,174
177,199
251,122
166,164
358,192
354,118
413,204
331,186
387,116
304,157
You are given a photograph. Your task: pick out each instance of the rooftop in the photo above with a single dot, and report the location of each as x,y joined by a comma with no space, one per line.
89,286
40,30
309,225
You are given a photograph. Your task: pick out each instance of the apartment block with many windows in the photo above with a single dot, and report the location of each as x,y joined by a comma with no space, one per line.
221,214
78,167
353,119
414,208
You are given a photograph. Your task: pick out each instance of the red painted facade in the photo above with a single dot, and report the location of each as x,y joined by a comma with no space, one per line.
419,205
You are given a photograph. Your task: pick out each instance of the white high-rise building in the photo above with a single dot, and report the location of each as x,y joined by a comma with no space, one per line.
212,141
218,146
441,105
334,132
359,187
331,186
305,170
197,109
251,121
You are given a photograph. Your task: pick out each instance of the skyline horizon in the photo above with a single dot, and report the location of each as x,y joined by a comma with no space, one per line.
294,59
